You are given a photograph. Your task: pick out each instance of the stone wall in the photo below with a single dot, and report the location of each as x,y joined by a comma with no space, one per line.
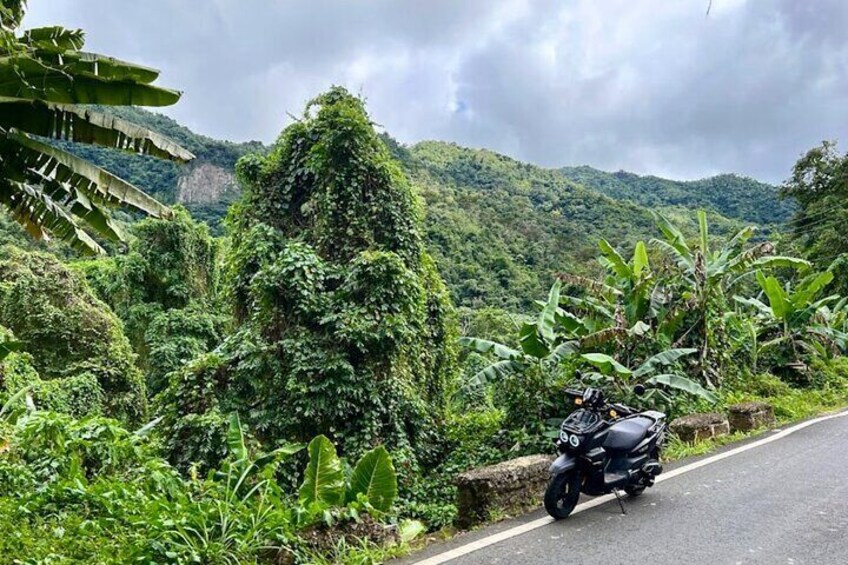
749,416
698,427
504,488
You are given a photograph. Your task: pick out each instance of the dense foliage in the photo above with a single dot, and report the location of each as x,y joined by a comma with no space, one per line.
731,196
44,78
819,183
344,326
165,290
71,339
323,323
89,491
498,229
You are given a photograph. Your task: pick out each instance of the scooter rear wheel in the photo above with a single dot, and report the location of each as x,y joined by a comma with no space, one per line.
562,494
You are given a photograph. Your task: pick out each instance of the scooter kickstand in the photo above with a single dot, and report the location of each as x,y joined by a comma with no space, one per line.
620,503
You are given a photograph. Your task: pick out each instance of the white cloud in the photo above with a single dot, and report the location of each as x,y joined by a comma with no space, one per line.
652,87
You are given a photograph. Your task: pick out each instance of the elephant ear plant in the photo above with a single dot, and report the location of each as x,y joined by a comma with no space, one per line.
45,77
372,485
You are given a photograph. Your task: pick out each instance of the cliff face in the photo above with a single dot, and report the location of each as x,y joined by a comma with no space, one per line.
204,183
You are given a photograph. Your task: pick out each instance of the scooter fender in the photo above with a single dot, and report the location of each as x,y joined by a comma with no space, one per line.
562,464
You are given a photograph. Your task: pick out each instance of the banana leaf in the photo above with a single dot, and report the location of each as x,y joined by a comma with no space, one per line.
41,217
678,382
83,125
487,346
664,358
95,183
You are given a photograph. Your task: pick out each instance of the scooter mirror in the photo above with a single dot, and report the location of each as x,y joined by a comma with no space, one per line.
639,390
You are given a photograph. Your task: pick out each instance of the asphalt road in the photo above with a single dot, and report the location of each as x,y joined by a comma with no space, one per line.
785,502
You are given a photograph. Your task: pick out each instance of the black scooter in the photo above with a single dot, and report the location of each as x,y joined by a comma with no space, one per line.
603,448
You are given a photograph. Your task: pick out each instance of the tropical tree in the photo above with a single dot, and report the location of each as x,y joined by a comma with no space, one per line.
617,308
45,77
542,347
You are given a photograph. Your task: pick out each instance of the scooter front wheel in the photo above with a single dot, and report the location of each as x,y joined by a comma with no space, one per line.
562,494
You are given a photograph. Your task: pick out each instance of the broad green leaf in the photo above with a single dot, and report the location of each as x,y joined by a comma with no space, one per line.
564,350
92,181
54,39
683,384
775,294
9,346
616,261
774,261
235,439
547,317
278,454
83,125
761,308
531,343
606,364
489,375
27,78
570,322
42,217
674,240
662,359
487,346
323,480
640,259
809,288
374,476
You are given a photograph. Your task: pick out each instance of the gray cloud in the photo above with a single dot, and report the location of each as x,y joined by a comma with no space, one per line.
651,87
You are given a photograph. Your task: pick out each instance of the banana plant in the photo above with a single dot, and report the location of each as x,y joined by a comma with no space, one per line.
44,78
619,306
707,275
797,315
542,344
621,378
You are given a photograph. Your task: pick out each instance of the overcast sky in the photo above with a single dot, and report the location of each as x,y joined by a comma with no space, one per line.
652,86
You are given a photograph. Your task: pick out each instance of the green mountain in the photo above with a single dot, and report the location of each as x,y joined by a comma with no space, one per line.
498,228
730,195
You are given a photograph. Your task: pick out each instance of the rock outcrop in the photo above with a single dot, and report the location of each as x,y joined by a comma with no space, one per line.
204,183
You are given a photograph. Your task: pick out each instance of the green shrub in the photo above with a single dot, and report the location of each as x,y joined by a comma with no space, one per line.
69,333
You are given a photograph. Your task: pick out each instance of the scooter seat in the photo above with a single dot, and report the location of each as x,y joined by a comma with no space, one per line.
626,434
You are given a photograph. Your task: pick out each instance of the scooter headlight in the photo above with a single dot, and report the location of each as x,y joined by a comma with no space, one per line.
574,440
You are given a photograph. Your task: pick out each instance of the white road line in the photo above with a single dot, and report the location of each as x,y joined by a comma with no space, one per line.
529,526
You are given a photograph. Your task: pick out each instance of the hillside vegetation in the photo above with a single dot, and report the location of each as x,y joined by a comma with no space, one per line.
498,229
730,195
304,379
